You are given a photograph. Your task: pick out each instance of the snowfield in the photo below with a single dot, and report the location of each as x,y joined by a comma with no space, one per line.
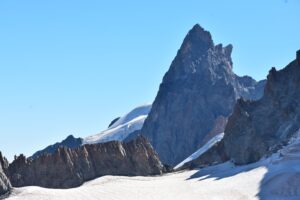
274,178
122,128
173,186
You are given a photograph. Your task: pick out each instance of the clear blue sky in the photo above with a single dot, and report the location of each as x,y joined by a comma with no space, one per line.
70,67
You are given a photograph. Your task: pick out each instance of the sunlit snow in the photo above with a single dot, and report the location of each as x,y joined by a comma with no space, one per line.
122,128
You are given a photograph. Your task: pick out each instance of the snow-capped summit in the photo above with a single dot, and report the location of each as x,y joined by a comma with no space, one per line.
123,127
142,110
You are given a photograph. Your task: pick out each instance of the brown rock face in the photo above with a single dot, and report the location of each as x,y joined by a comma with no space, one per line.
68,168
5,185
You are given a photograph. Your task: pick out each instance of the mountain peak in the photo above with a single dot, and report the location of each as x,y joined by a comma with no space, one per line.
198,40
197,28
298,56
70,137
199,87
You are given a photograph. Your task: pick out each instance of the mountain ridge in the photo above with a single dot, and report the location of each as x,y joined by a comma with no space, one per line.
71,167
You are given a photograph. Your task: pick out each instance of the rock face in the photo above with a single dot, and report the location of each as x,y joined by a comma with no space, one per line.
69,142
68,168
5,185
257,128
199,87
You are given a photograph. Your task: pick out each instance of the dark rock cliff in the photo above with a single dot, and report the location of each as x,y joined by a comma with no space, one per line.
5,185
199,88
257,128
68,167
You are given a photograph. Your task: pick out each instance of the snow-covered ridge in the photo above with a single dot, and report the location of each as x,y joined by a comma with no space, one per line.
202,150
123,127
135,113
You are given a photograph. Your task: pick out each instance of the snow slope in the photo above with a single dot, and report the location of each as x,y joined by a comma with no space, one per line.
274,178
168,187
202,150
122,128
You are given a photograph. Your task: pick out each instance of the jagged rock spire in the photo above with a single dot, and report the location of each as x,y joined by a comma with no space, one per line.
197,41
199,88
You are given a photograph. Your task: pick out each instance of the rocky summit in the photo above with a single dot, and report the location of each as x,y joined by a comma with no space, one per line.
66,167
198,90
5,185
257,128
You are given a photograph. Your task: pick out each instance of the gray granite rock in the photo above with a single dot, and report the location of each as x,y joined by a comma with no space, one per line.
199,87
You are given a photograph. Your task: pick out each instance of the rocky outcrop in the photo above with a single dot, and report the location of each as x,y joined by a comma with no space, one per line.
67,167
69,142
199,87
257,128
5,185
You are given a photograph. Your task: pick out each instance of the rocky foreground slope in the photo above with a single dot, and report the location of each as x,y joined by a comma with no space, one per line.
199,89
68,167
